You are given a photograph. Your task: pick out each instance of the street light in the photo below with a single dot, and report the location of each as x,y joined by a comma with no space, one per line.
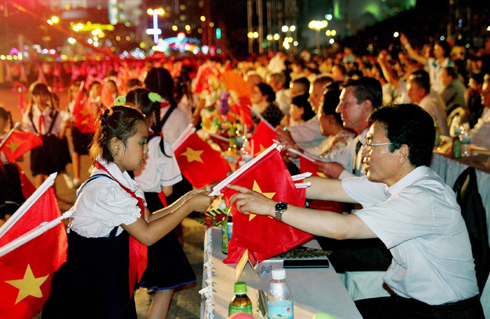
318,25
155,31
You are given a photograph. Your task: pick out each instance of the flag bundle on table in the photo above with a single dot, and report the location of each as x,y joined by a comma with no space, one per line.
199,162
307,164
32,247
18,143
262,138
264,236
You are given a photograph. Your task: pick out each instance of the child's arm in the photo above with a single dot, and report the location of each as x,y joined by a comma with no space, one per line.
149,233
170,209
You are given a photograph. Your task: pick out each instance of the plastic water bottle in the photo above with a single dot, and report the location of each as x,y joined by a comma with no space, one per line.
240,302
465,143
280,300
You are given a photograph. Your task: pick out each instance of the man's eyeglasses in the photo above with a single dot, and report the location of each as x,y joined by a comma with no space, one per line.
368,145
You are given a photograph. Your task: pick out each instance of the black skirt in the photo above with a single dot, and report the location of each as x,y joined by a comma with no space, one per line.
93,283
11,197
51,157
168,266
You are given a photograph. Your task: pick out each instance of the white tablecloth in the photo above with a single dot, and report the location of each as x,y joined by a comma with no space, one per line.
313,290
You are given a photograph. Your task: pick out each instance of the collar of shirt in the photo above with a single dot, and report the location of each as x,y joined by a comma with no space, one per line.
122,177
407,180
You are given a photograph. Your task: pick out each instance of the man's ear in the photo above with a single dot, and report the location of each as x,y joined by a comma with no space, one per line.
403,153
367,106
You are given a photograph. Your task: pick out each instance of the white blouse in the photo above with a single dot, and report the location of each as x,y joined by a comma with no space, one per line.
103,204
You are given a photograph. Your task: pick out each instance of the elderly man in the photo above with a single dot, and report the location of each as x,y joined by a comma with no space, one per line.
453,93
277,81
408,207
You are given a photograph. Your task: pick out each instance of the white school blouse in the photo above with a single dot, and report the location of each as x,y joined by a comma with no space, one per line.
102,204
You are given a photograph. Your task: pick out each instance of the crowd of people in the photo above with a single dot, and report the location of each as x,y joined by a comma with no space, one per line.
369,122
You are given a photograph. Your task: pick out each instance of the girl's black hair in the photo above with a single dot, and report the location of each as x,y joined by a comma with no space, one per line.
119,122
160,81
139,98
38,88
7,116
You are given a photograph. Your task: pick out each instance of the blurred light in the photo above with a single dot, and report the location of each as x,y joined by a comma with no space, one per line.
203,18
442,38
150,12
52,51
218,33
250,35
96,44
175,28
468,46
277,36
128,38
55,19
90,41
2,57
256,34
118,38
187,27
488,28
332,41
270,37
72,41
50,22
199,30
328,16
218,51
142,45
160,11
317,25
9,57
205,49
328,33
284,28
295,43
181,36
396,35
211,24
334,33
292,28
196,50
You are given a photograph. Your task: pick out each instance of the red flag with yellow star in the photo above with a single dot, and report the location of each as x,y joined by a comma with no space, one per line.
26,271
200,163
306,165
20,143
262,138
264,236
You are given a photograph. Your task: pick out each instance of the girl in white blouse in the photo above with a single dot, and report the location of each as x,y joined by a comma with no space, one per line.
103,261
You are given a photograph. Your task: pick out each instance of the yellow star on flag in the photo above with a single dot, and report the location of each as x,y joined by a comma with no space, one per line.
13,146
321,174
193,155
29,285
256,188
262,148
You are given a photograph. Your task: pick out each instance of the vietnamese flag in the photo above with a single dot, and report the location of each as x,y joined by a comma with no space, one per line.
262,138
264,236
307,165
199,162
27,270
19,143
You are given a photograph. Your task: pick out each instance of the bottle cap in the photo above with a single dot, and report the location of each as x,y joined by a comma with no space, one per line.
278,274
240,287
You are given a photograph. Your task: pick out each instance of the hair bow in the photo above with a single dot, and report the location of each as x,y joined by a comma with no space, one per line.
120,100
154,97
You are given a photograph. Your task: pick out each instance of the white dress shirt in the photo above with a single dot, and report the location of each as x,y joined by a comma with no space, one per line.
420,222
434,105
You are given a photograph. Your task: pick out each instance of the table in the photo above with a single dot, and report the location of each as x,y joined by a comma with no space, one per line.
313,290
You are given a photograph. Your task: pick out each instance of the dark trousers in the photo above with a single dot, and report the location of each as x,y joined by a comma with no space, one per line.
403,308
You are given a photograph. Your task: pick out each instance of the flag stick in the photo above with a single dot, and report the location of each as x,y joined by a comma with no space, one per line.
27,204
9,134
185,134
302,185
301,176
261,118
308,157
42,228
217,189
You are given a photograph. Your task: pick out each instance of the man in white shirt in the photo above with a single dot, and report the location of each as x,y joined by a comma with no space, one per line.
480,133
406,205
418,91
277,82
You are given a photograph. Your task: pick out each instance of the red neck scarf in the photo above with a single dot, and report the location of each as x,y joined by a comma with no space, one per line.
138,253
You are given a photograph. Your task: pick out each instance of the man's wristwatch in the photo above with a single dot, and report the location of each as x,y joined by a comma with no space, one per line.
280,209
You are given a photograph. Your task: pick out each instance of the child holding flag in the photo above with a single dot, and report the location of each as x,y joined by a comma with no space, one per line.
110,206
168,266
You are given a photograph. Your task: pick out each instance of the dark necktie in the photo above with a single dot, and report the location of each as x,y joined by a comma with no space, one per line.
354,164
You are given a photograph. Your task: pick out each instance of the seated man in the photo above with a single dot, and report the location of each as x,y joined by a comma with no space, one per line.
408,207
480,133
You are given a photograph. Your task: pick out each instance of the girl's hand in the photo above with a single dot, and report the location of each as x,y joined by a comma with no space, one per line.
200,202
248,201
